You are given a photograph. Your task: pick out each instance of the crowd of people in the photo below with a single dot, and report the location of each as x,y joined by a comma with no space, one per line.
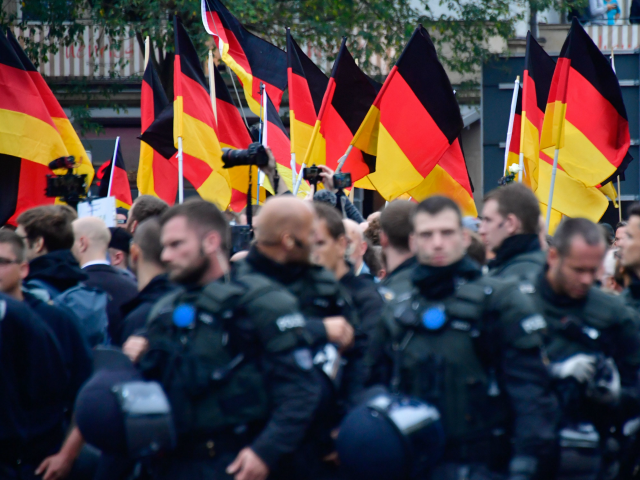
415,344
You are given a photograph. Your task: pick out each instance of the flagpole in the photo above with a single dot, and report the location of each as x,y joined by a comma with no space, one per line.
244,117
619,201
553,182
113,165
212,86
343,159
180,172
263,140
146,52
512,114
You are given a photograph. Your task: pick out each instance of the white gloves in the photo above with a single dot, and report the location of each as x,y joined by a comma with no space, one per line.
582,367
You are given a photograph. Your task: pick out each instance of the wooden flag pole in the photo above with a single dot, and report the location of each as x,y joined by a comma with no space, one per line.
212,86
512,114
113,165
180,172
343,159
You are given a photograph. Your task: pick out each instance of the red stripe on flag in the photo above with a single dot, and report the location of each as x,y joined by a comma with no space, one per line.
530,103
301,102
33,183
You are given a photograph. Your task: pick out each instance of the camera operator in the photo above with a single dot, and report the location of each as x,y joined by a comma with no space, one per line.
342,201
258,155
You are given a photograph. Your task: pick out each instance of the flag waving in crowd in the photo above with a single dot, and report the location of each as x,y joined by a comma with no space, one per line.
194,123
253,59
115,183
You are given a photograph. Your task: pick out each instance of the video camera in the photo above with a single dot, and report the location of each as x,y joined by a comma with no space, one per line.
311,174
70,186
342,180
256,154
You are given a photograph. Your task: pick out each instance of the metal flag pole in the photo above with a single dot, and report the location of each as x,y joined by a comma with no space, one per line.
244,117
263,137
512,114
180,172
146,52
553,172
212,86
113,165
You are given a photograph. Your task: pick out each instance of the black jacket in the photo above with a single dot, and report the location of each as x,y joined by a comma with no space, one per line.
519,256
120,290
59,270
136,311
75,350
366,299
33,382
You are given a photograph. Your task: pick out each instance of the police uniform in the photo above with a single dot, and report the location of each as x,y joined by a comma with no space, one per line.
236,366
601,325
319,296
519,256
400,277
470,346
631,294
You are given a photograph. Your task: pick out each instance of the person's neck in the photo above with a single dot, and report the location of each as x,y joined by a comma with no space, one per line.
341,270
275,254
147,272
553,283
394,258
16,293
216,271
92,257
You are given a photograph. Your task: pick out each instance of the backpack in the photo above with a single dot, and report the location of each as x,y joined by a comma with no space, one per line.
88,305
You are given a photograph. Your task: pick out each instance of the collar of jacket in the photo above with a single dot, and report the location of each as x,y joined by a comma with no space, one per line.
441,282
513,246
283,273
549,295
634,286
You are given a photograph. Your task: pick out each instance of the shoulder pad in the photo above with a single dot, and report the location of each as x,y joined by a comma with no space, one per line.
164,304
217,295
324,281
604,308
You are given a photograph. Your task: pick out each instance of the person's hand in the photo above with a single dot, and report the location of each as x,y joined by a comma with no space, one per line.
612,6
270,168
248,466
55,467
339,331
580,366
134,347
326,175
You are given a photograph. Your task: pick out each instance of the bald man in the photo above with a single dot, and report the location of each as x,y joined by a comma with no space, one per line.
91,241
357,246
284,233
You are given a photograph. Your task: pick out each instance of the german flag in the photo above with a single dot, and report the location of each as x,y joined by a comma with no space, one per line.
120,187
571,196
253,59
348,97
29,138
279,143
585,116
156,175
307,84
194,121
413,121
450,178
233,133
65,128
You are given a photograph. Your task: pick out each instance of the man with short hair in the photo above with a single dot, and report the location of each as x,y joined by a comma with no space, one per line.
509,228
621,230
471,346
357,247
629,252
90,248
244,333
592,339
118,251
329,250
396,227
145,206
153,283
48,238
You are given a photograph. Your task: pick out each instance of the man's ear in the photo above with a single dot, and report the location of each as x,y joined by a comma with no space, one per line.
38,245
287,241
513,224
553,257
134,225
384,240
466,238
412,243
211,243
365,246
24,270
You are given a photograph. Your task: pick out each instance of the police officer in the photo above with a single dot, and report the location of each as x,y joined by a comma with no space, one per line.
592,339
470,346
509,227
282,251
230,354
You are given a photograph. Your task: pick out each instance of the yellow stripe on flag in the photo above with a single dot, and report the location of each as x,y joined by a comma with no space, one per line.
365,183
245,77
554,219
216,189
552,128
439,182
177,120
530,144
395,174
27,137
610,191
300,137
366,138
200,141
145,171
74,147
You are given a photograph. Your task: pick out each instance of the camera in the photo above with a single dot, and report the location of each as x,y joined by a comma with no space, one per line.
311,174
341,180
240,238
70,186
256,154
